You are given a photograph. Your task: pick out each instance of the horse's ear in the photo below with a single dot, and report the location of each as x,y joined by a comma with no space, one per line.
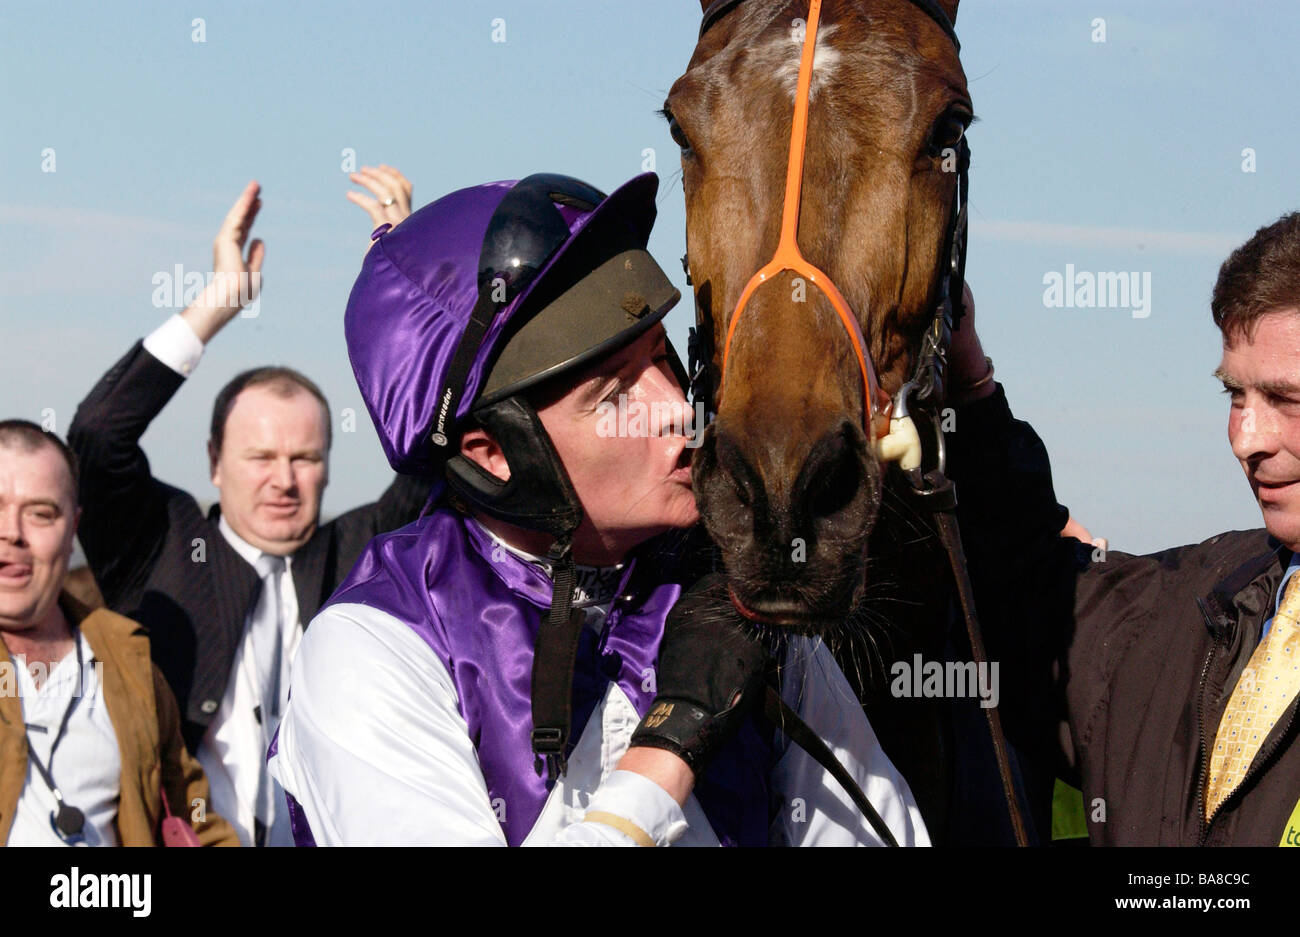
704,5
948,6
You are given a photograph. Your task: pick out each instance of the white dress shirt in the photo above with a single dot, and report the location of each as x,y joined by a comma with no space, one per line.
87,763
175,345
233,750
402,770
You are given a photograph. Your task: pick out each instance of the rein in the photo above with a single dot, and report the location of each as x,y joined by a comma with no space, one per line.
889,424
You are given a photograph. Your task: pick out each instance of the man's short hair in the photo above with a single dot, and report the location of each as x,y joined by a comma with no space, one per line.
26,436
1261,276
283,382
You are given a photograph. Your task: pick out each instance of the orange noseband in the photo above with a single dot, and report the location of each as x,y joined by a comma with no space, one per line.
876,403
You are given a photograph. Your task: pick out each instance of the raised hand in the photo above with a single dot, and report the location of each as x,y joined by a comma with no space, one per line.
236,281
392,194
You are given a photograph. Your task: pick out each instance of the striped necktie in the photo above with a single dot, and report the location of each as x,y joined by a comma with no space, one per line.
1267,686
268,640
268,650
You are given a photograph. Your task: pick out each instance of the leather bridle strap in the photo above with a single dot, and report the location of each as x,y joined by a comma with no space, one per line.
941,499
936,13
948,533
779,714
714,12
720,8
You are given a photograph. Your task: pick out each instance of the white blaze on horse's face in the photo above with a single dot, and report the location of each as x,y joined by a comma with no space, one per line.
783,53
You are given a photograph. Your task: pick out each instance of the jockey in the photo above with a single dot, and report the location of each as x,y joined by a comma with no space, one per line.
528,662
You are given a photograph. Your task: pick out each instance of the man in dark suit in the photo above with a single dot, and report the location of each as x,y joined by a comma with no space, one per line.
225,596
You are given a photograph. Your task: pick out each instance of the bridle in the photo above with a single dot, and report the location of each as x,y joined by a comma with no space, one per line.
889,425
789,257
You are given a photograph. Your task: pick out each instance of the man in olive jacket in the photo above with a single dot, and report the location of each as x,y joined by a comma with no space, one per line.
148,729
1124,666
112,722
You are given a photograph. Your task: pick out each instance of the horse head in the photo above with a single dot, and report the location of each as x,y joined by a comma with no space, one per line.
787,476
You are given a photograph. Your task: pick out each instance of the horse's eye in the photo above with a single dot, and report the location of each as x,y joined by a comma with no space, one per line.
947,133
679,136
674,128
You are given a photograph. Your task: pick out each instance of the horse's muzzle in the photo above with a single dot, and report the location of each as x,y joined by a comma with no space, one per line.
794,548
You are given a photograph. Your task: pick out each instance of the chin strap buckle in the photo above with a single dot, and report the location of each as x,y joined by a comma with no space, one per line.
548,751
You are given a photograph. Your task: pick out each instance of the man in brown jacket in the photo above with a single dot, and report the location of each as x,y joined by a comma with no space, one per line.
117,760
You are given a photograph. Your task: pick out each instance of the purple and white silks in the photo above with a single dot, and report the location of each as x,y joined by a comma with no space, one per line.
479,609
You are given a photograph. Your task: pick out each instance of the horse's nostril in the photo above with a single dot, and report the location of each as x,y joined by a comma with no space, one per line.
831,475
737,470
835,489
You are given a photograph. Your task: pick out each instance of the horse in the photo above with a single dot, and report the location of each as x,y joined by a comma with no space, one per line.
823,241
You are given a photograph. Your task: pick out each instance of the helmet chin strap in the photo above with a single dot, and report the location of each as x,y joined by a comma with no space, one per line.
538,496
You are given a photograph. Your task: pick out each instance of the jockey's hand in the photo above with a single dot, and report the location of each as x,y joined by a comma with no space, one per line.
711,673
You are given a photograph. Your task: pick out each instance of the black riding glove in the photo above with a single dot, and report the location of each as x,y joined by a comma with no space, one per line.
711,673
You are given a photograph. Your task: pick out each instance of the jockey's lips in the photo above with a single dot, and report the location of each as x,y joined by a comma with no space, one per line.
682,468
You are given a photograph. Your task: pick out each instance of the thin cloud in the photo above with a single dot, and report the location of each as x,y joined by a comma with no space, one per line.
85,221
1068,235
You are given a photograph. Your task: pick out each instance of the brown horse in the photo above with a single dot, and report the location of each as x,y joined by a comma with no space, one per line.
787,476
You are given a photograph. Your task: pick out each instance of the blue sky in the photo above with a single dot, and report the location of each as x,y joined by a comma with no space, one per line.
1117,156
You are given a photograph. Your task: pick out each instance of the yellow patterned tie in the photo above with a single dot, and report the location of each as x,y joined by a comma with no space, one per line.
1267,685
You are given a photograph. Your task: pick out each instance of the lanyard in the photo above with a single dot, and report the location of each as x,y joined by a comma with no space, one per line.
67,821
